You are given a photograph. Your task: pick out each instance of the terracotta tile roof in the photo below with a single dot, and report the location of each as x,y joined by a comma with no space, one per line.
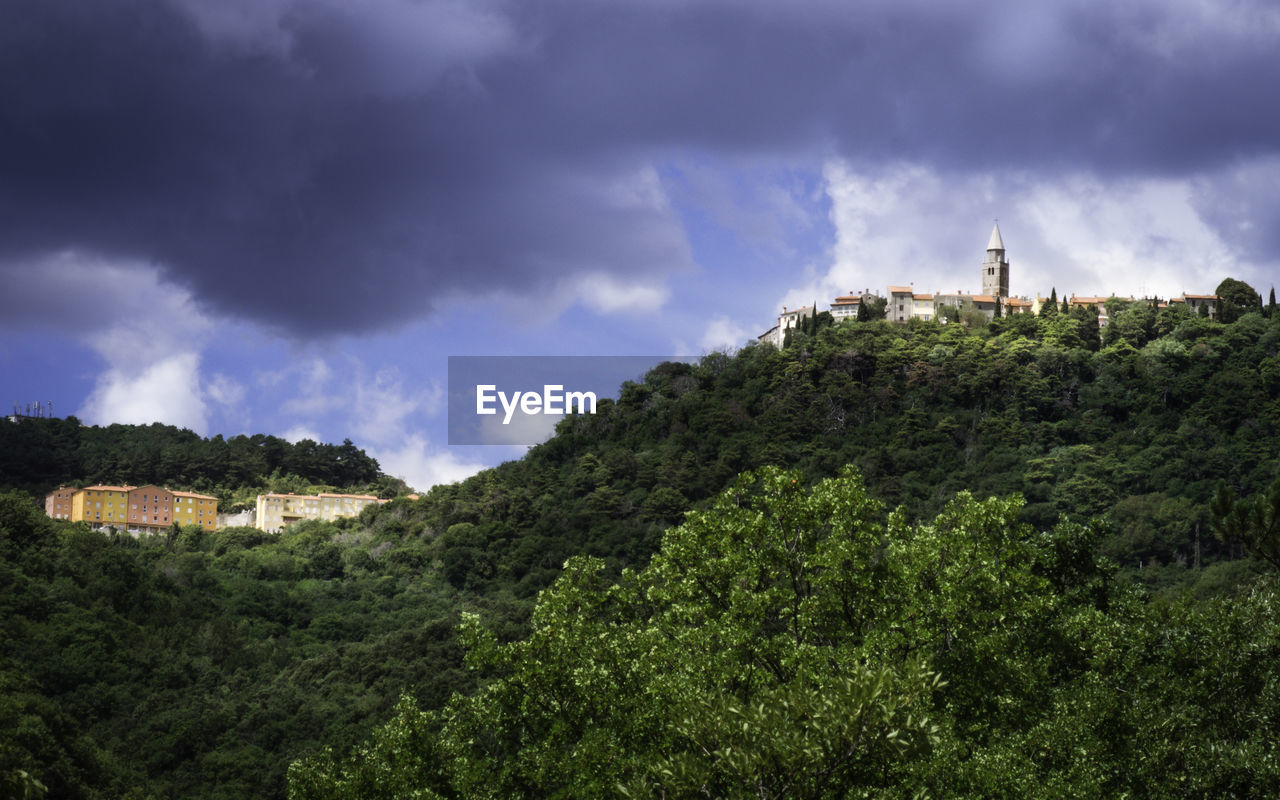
900,290
983,298
922,297
192,494
101,488
1200,296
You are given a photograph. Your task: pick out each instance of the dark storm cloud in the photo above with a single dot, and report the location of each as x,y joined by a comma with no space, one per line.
326,169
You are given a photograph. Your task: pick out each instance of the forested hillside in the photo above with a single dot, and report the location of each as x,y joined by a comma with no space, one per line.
37,455
980,641
1136,426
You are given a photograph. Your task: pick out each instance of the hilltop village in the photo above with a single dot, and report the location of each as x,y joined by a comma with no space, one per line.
901,304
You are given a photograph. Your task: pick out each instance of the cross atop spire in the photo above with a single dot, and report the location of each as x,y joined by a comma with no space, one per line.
995,243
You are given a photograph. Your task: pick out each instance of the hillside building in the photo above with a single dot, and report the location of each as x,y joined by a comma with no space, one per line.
138,509
905,304
190,508
58,503
274,511
788,319
847,306
995,269
922,307
901,304
1197,301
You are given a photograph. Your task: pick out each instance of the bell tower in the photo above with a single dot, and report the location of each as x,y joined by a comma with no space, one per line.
995,269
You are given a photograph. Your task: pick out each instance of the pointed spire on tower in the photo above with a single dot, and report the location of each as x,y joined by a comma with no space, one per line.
995,243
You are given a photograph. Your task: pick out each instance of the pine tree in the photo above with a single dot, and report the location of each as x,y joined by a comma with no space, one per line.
1066,307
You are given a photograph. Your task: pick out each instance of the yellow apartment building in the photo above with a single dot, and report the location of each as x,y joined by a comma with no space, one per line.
133,508
100,506
190,508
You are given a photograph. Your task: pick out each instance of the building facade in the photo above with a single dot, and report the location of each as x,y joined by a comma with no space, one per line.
190,508
1209,302
132,508
150,507
274,511
58,503
101,506
901,304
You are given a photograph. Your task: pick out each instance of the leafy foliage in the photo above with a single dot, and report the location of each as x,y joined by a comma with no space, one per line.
795,643
38,455
986,632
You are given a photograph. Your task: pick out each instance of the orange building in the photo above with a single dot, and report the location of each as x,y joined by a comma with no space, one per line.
150,507
57,504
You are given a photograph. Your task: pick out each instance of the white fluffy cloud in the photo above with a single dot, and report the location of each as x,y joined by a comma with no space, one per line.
723,333
607,294
422,466
1079,234
384,414
299,432
149,333
166,391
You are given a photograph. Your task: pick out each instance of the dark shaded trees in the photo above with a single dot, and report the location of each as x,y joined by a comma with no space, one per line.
1236,298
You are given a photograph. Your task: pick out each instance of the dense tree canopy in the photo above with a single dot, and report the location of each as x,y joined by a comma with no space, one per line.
38,455
1236,298
785,636
796,643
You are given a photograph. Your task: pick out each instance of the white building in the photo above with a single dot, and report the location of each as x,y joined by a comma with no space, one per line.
274,511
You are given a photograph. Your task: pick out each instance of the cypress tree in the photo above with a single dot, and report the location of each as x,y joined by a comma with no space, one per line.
1049,307
1271,304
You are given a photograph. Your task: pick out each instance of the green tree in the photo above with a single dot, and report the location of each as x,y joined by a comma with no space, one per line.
1049,308
783,643
876,308
1253,524
1236,298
